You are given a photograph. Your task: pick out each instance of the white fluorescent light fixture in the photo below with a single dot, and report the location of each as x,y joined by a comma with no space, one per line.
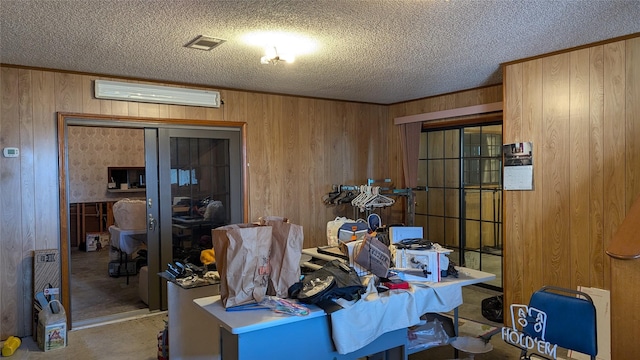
115,90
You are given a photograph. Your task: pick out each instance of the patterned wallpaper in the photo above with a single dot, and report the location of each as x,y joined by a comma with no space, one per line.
91,151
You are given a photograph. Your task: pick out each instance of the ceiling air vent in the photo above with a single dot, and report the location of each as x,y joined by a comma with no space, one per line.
204,43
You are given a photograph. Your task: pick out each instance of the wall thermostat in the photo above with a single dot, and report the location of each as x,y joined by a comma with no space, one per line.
10,152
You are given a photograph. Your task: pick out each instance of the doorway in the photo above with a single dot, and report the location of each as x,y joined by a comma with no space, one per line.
95,155
229,181
462,168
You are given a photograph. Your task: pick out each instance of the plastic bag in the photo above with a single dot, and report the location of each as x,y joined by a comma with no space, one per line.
428,335
492,308
284,306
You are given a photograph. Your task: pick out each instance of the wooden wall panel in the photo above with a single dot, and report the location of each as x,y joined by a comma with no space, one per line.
626,315
29,196
296,148
555,179
90,105
614,147
68,92
148,110
532,214
581,107
46,159
632,109
596,167
304,137
260,200
513,220
579,171
275,153
11,274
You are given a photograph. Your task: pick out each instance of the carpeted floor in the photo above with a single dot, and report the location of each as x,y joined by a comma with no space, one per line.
95,294
135,339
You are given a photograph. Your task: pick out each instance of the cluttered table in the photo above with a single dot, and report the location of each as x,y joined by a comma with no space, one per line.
263,334
375,325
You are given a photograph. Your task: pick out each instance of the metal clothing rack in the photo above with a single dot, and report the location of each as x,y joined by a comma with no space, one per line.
409,193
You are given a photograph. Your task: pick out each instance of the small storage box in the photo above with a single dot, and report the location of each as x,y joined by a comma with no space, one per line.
97,241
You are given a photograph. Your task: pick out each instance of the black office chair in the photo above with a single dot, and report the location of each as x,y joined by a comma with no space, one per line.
564,317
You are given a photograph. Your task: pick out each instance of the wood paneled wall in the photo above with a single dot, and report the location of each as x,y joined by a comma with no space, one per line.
296,149
581,110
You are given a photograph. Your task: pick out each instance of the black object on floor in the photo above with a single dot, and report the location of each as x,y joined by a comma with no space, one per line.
492,309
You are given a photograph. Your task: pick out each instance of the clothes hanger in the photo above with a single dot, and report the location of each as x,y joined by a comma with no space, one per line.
379,200
356,201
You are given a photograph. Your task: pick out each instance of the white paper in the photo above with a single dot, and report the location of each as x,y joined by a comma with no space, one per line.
518,177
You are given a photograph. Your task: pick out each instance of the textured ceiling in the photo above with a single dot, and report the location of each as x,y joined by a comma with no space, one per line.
371,51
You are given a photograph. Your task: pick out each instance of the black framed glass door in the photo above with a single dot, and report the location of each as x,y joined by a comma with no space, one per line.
199,178
461,167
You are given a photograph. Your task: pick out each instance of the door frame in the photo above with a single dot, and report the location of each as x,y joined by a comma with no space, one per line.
79,119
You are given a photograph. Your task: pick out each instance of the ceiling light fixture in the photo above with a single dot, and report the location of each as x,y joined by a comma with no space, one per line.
272,57
115,90
281,46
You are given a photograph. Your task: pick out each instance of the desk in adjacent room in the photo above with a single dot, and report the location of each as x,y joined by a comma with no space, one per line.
190,228
127,242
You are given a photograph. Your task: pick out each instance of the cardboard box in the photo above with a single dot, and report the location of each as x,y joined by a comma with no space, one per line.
97,241
46,274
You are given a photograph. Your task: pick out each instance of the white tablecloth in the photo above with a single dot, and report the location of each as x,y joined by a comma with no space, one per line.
127,240
360,323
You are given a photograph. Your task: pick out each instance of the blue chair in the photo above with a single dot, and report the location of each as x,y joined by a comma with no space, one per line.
563,317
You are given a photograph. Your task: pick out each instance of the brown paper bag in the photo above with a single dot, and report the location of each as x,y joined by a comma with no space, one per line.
242,259
373,255
286,251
